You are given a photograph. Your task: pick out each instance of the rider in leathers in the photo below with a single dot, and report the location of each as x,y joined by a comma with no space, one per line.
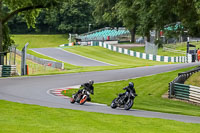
129,89
89,87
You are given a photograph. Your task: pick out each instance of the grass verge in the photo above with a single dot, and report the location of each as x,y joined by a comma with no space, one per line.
194,79
149,89
40,41
160,52
108,56
18,118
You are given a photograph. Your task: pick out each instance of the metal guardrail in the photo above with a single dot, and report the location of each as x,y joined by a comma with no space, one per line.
7,71
177,88
45,62
174,51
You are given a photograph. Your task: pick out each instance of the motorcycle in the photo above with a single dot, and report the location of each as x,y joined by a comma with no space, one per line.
80,98
123,101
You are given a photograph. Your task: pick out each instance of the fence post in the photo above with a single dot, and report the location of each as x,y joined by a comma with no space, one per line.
63,66
170,90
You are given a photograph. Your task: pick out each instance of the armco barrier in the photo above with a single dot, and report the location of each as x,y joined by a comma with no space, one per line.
178,90
187,92
182,59
45,62
0,70
7,71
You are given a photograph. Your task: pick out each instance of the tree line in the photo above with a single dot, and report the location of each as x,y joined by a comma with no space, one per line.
74,16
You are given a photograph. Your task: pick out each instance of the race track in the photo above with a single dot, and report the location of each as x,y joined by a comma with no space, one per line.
71,58
34,90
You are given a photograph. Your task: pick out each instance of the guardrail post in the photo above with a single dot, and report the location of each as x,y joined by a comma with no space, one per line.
170,90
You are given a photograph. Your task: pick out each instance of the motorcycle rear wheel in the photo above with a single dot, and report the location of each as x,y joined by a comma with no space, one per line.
72,100
113,104
128,105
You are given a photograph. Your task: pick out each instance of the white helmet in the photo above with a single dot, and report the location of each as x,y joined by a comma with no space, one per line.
91,82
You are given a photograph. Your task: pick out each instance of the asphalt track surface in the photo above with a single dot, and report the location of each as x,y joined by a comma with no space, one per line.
34,90
71,58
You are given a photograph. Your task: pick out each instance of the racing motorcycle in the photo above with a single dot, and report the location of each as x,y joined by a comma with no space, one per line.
80,98
123,101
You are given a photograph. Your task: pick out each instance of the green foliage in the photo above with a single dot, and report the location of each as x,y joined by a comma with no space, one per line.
28,9
72,16
7,41
105,12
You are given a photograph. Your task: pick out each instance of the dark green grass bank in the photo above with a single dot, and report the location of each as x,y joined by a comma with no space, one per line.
194,80
150,90
23,118
40,41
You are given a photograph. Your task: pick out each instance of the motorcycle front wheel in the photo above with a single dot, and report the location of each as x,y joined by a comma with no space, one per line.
128,105
113,104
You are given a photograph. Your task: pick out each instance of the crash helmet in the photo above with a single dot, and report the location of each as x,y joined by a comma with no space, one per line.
131,84
91,82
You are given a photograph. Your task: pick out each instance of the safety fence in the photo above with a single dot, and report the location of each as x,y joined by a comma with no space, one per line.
173,50
44,62
178,90
7,71
182,59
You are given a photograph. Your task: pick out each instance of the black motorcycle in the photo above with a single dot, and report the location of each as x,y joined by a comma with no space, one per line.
80,98
123,101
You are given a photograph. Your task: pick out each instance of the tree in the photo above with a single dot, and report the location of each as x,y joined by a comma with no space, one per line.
28,9
75,16
189,15
155,15
127,13
105,12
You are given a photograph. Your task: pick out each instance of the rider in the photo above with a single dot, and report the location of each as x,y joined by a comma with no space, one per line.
129,89
89,87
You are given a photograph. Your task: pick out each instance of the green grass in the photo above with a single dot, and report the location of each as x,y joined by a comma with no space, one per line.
40,41
149,89
182,46
194,80
20,118
108,56
160,52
